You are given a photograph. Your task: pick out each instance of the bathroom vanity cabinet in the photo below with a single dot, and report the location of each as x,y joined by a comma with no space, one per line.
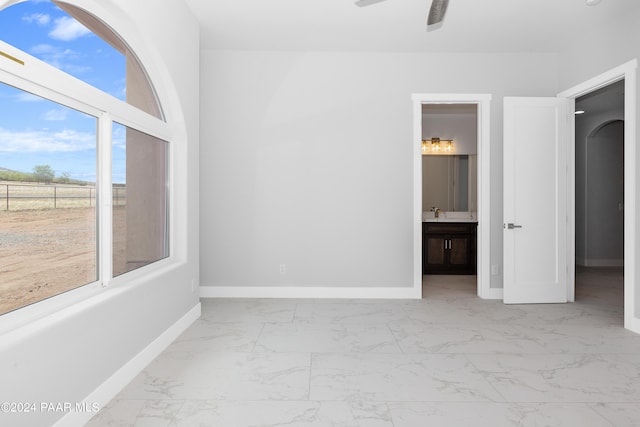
449,247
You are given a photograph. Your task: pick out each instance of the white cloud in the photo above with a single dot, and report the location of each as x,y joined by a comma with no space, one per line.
56,115
43,48
60,58
120,89
28,97
39,18
76,69
119,137
42,141
67,29
48,52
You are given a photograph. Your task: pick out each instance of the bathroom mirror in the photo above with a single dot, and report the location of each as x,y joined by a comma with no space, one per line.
450,182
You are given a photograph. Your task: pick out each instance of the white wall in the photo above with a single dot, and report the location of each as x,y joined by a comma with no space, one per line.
306,160
461,128
71,353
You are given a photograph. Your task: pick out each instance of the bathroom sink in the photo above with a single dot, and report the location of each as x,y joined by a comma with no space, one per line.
450,220
450,217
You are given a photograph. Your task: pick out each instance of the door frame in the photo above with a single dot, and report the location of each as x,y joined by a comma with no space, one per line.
628,72
483,101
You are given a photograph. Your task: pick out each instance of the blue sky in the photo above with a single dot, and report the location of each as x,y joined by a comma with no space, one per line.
34,131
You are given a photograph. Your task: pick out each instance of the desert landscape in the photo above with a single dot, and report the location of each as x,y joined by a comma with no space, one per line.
45,252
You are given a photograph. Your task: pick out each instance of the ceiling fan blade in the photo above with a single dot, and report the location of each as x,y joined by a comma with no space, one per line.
437,11
362,3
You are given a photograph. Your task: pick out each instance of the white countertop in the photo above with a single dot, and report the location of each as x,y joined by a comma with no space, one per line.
450,220
450,217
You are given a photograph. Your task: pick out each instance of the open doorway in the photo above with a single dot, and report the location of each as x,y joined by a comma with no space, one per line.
599,189
628,73
449,199
481,102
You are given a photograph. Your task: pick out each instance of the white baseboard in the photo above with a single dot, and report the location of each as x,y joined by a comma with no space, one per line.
114,384
309,292
493,293
632,324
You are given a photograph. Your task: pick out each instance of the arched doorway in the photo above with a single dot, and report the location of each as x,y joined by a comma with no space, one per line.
600,239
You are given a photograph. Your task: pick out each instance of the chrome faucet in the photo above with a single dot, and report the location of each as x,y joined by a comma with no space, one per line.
436,211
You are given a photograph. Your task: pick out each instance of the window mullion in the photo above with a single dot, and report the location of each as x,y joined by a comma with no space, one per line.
105,194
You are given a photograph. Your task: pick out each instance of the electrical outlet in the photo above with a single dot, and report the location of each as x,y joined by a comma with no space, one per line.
495,270
283,268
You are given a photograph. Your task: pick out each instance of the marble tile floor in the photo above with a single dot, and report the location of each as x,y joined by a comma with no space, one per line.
450,359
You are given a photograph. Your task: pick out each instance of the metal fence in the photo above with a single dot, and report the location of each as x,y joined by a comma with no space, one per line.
53,196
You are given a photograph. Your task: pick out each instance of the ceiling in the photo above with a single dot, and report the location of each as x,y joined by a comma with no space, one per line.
399,25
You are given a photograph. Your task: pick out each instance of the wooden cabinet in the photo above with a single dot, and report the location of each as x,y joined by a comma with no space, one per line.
449,247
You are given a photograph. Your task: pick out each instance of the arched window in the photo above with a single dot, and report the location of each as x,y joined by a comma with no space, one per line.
84,155
79,44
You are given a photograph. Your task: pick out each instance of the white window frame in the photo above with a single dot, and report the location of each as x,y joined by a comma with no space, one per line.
41,79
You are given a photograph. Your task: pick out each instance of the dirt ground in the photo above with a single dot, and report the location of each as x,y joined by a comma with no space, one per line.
47,252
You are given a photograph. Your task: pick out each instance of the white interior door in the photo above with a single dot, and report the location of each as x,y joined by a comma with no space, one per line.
535,200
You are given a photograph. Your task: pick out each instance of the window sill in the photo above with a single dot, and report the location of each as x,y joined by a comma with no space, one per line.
40,315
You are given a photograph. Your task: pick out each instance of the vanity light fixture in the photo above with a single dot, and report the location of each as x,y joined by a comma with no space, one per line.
437,146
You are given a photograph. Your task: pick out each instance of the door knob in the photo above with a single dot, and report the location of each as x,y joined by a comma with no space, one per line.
511,226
